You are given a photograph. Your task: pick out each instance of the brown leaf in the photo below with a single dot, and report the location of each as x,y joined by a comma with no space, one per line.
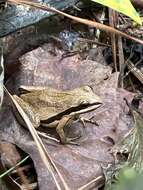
78,164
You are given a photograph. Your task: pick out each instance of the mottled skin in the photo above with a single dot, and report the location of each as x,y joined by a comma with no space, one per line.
50,107
70,42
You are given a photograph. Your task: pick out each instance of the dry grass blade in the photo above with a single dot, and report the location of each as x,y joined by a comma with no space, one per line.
1,75
77,19
136,72
94,182
14,167
41,148
42,134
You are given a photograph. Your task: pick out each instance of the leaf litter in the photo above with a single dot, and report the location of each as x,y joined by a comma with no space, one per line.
78,164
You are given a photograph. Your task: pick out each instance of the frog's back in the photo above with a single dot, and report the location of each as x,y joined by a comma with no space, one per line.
52,102
43,102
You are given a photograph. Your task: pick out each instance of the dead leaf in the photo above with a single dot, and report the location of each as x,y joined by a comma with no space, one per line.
78,165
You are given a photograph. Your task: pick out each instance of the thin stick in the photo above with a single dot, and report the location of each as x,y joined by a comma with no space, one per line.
81,20
94,181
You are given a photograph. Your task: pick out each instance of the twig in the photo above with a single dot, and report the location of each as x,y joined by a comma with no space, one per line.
121,62
81,20
112,21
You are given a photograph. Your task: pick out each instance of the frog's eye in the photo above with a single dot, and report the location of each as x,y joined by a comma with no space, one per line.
87,88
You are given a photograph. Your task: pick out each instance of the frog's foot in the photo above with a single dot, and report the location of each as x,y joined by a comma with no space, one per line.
83,120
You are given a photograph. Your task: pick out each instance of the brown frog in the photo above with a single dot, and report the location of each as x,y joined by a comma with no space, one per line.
50,107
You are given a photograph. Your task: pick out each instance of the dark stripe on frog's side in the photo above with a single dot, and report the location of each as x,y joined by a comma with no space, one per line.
69,111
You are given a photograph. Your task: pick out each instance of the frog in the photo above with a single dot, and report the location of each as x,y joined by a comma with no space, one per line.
70,42
53,108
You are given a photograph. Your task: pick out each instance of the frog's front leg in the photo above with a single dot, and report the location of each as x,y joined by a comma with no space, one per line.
65,120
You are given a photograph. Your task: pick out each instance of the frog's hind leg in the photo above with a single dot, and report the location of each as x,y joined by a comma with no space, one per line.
66,120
